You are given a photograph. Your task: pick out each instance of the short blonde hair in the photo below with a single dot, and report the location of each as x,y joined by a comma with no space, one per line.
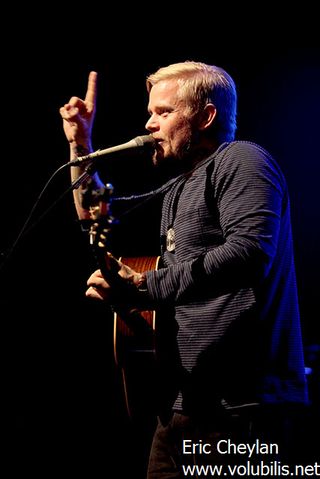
200,84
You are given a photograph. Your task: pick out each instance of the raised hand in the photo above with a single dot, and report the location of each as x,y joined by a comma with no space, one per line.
78,115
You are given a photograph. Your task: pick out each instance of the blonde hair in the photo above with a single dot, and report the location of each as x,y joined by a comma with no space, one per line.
200,84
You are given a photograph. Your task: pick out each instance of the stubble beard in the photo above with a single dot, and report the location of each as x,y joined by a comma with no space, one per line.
175,161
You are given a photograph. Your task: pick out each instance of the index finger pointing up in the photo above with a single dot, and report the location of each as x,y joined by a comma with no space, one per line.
91,94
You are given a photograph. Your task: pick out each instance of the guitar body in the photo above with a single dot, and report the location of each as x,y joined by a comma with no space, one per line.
134,346
134,329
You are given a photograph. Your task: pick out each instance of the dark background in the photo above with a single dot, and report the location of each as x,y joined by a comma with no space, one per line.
63,397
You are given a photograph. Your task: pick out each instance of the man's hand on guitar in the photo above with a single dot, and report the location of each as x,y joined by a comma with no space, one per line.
123,288
98,286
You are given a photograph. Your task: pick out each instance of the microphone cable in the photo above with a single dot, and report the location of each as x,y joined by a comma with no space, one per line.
25,229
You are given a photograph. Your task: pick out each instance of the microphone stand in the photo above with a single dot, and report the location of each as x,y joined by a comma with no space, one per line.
74,185
5,256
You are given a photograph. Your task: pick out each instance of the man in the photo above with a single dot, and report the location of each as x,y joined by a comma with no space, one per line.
235,369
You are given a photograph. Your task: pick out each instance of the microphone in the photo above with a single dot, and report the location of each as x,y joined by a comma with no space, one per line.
139,142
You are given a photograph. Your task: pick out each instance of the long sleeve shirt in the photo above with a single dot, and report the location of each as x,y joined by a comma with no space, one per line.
228,273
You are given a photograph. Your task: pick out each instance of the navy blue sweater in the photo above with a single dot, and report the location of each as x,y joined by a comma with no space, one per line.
228,273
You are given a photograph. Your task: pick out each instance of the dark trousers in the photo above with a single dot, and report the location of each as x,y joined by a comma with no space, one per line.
261,441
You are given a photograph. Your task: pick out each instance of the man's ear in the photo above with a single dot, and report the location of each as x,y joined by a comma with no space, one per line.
207,116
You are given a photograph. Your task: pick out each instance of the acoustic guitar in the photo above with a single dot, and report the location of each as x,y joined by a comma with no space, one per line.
134,334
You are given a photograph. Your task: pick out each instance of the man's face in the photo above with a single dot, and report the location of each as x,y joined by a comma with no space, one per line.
170,122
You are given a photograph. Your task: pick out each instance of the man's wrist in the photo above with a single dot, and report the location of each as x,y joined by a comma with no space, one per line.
141,283
80,149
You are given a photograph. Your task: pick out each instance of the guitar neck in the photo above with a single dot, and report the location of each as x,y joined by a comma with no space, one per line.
109,267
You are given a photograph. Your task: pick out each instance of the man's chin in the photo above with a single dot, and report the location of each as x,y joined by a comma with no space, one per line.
168,166
158,159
